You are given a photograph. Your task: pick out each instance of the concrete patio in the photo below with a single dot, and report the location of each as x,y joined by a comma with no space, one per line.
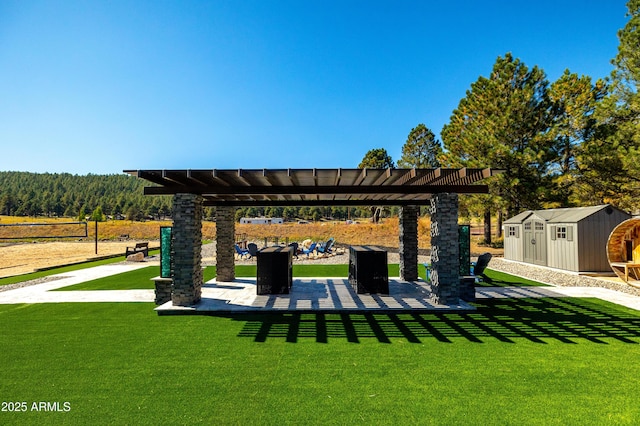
314,295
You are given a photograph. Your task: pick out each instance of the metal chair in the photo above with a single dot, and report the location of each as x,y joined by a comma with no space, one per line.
241,252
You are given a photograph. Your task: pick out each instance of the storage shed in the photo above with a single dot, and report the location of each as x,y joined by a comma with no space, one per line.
573,239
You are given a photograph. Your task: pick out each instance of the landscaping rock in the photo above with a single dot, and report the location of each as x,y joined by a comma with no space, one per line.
136,257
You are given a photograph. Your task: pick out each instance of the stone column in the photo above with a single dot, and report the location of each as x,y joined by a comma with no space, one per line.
225,240
445,266
186,249
409,243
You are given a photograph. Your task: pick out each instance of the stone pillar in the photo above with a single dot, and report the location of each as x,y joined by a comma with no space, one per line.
409,243
186,249
163,290
225,240
445,266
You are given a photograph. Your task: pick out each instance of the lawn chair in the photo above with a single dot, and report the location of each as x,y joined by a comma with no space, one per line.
480,265
310,250
477,268
252,249
427,271
240,252
295,249
326,247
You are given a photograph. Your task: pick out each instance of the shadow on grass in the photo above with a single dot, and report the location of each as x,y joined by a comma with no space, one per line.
492,278
568,320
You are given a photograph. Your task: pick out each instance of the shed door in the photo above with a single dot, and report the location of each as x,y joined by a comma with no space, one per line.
535,243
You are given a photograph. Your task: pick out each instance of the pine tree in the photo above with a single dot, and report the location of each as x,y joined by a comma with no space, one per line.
421,150
574,100
503,123
610,160
377,158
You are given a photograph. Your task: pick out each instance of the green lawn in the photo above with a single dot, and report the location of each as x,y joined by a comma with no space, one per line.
491,278
526,361
141,278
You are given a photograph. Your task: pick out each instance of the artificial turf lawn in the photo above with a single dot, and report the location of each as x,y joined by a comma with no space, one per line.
141,278
492,278
513,361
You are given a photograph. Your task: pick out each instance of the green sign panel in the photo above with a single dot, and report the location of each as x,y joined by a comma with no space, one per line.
165,251
464,243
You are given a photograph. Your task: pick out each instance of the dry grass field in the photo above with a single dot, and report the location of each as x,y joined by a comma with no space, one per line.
22,258
29,254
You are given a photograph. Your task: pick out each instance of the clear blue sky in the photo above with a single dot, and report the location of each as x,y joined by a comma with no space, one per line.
102,86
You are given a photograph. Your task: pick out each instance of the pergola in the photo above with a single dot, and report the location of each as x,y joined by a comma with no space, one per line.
229,189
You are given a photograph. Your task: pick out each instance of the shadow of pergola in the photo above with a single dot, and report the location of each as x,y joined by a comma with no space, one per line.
538,320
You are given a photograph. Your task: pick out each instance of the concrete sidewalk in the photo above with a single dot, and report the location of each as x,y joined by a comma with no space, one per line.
42,293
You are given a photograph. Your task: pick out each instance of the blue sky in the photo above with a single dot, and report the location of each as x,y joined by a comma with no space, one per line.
103,86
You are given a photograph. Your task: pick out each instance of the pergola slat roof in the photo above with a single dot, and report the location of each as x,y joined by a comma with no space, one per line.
282,187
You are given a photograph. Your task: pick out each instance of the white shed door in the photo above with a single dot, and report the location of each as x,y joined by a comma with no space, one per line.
534,243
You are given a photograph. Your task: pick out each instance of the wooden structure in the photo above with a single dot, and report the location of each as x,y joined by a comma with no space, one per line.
623,251
229,189
572,239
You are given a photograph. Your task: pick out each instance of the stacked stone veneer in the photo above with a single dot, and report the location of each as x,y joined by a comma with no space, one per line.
186,249
163,290
225,240
408,248
445,267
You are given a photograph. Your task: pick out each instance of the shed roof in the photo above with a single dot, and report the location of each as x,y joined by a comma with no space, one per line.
282,187
565,215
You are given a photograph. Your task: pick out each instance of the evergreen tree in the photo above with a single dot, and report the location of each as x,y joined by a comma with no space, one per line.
377,158
610,160
7,204
69,211
421,150
97,215
503,123
133,213
574,99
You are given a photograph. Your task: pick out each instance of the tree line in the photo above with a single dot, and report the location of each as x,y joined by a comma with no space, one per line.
100,197
74,196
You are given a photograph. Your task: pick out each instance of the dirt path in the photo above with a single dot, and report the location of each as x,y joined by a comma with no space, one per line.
23,258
